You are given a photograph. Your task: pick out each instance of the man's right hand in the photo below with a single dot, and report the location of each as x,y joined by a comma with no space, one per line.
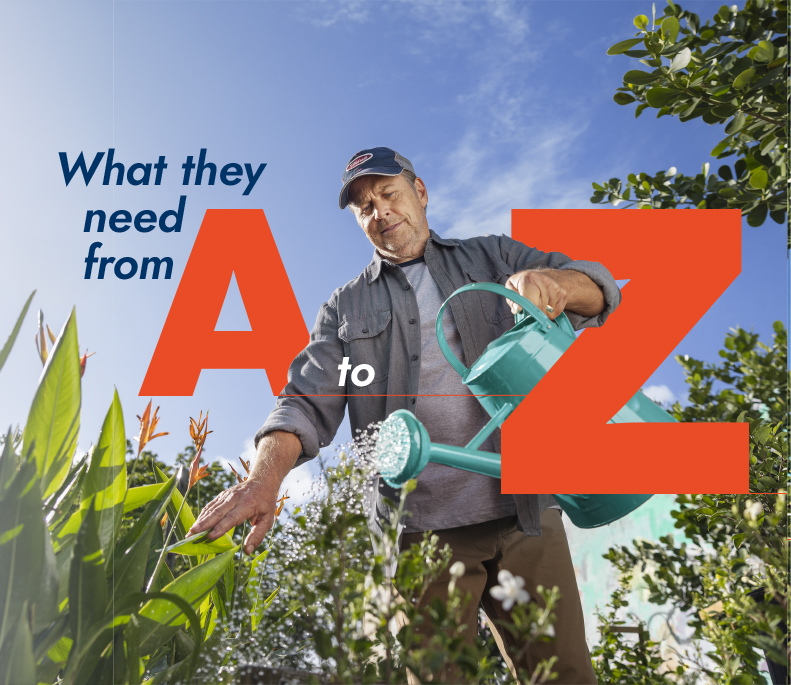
256,498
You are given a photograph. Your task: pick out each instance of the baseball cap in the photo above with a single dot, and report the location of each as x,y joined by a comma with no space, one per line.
381,161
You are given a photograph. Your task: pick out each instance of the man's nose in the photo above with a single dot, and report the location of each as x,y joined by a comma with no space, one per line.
381,210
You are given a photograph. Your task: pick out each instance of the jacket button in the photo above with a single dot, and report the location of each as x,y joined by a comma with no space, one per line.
365,330
412,401
406,287
413,321
414,357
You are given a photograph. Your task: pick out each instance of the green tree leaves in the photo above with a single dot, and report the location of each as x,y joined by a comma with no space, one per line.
728,71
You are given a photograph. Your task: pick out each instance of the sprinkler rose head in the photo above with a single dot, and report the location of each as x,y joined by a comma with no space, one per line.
402,448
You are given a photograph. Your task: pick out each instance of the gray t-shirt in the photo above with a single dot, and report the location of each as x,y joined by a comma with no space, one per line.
447,497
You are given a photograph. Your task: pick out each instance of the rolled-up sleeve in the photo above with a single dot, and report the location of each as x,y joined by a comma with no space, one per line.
520,257
312,403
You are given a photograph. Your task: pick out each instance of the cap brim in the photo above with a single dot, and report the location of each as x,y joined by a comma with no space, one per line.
343,199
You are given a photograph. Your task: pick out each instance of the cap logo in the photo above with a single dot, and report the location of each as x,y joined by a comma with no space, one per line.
359,160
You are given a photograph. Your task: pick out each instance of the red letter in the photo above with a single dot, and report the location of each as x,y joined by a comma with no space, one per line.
558,440
229,241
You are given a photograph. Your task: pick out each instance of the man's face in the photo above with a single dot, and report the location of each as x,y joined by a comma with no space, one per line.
392,214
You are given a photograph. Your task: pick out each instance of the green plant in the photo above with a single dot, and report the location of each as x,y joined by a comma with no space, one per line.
732,544
351,611
731,69
73,608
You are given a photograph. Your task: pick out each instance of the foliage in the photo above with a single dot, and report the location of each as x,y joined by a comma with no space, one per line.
733,545
84,599
353,612
730,69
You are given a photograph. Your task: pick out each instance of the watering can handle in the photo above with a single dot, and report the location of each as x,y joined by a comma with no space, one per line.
497,289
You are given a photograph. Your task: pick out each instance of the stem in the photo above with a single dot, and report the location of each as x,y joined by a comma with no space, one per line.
239,570
162,554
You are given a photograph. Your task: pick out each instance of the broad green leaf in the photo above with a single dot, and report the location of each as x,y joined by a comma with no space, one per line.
681,60
59,652
641,21
159,620
640,78
743,80
721,147
186,517
82,662
197,544
735,124
8,461
185,522
757,216
54,419
670,28
22,547
659,97
59,503
87,584
165,576
623,98
87,601
623,46
759,179
17,665
106,477
12,338
46,602
765,53
137,497
131,552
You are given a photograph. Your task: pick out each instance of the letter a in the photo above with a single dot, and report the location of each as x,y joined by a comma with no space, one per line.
229,241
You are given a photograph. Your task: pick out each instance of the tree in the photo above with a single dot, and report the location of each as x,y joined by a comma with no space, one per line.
731,570
730,69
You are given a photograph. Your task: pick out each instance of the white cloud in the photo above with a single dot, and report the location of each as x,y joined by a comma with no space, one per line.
660,393
478,198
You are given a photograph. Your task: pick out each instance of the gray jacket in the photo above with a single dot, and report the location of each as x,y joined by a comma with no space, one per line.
374,320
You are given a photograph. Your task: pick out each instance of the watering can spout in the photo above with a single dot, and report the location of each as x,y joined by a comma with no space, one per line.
403,450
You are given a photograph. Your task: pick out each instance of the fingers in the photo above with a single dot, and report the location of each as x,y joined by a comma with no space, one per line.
232,519
260,527
234,503
544,292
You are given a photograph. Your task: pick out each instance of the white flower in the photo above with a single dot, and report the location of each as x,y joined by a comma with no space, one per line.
672,171
456,571
753,510
510,590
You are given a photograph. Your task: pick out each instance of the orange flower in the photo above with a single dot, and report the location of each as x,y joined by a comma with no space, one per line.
198,431
83,361
246,465
196,471
280,504
238,477
148,424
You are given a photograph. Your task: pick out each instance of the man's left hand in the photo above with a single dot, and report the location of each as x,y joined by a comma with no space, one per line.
541,289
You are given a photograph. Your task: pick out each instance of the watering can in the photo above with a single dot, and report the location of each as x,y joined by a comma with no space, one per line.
509,368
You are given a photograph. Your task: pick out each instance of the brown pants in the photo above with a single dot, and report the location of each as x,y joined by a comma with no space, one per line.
485,549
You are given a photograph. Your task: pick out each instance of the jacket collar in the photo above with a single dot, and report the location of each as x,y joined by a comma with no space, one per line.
373,270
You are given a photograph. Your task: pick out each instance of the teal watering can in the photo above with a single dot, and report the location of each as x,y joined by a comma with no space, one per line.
509,368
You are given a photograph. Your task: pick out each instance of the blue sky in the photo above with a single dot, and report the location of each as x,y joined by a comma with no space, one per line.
498,105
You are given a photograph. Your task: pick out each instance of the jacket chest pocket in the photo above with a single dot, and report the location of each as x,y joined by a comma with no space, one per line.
495,308
366,342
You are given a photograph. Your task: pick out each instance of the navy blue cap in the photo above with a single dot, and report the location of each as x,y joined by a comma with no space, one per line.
381,161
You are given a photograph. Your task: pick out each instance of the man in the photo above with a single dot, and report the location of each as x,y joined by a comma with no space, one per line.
385,319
